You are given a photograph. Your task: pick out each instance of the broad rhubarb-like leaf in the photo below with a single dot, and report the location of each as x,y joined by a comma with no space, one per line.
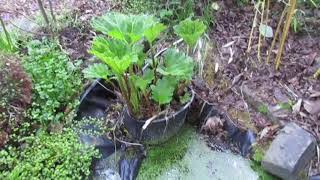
129,28
190,31
177,64
153,32
116,54
162,92
97,71
142,82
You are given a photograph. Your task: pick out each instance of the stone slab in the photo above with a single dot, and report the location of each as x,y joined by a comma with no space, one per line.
290,152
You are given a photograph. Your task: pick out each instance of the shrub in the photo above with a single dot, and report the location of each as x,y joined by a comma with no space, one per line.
56,80
48,156
15,93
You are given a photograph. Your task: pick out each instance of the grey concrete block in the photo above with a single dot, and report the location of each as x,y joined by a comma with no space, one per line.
290,152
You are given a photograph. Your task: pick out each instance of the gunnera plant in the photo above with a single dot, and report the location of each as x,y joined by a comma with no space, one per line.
15,93
148,84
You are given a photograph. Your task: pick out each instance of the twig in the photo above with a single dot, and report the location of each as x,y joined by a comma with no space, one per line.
129,143
51,11
146,124
43,12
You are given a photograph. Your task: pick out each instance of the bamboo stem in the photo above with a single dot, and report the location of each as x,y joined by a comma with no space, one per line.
286,27
252,29
276,34
260,35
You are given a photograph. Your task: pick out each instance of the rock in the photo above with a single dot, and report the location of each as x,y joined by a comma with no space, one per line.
290,152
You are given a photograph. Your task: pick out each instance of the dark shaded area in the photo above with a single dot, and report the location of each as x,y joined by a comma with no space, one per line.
242,138
93,103
160,130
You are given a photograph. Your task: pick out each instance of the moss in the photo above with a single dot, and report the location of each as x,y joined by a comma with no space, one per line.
161,157
263,175
263,109
259,152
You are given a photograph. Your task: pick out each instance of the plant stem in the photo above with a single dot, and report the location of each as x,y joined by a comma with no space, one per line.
154,63
51,11
43,12
6,33
286,27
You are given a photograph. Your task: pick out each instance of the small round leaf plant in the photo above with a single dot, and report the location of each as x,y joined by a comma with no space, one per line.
147,84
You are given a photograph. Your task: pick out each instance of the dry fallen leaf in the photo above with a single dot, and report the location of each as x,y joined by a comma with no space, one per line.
213,124
296,107
312,107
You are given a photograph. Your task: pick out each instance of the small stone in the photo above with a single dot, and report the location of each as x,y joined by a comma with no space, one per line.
290,152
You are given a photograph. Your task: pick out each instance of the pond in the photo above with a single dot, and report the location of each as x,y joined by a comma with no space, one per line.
187,156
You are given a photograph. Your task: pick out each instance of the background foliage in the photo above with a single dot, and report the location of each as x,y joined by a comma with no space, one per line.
56,80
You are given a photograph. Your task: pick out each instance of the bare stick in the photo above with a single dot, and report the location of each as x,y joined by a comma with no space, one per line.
43,12
51,11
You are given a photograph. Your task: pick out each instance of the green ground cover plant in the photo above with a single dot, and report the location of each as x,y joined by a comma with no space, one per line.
48,156
164,80
56,80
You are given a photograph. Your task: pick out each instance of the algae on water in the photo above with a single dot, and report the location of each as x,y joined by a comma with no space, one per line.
160,158
188,157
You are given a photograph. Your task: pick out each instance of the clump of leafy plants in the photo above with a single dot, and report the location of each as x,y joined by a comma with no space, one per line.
148,84
15,93
48,156
56,80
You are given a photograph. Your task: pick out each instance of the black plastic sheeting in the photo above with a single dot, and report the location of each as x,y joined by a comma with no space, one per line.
242,138
95,101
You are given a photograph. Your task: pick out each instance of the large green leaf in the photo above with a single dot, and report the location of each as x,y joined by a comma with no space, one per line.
162,92
97,71
116,54
153,32
129,28
177,64
142,82
190,31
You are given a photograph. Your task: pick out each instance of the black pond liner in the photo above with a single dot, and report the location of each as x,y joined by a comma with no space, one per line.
160,129
242,138
99,96
93,103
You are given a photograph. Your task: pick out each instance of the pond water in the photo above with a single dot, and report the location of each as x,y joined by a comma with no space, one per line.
190,158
